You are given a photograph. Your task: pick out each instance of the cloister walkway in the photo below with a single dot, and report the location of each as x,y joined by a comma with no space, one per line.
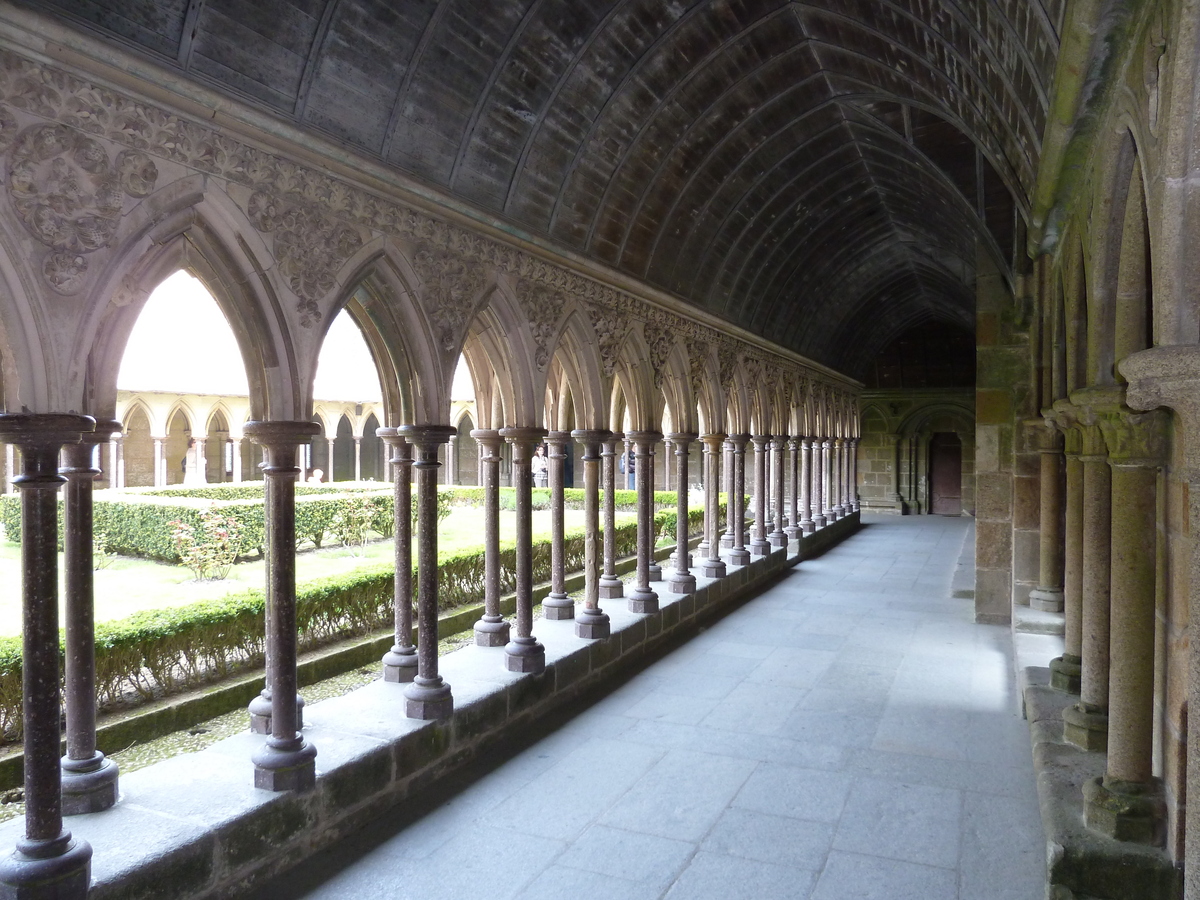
849,733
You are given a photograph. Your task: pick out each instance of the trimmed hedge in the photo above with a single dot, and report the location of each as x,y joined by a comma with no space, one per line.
159,652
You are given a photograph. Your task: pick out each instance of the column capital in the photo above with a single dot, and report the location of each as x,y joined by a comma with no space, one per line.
1135,438
276,433
644,438
1168,377
557,442
489,437
1046,436
738,441
592,440
523,435
427,434
682,437
713,439
44,429
760,440
616,436
389,435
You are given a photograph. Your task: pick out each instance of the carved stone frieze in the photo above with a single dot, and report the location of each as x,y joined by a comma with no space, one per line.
660,339
69,195
610,328
542,306
727,362
308,208
451,287
697,357
310,248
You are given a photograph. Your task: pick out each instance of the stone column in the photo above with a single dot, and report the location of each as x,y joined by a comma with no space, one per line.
820,453
47,862
610,585
1048,595
777,538
400,663
524,653
727,470
855,506
711,565
427,696
794,528
681,581
329,444
286,762
1086,723
830,487
114,459
1127,803
738,554
10,460
160,463
452,460
847,486
630,482
642,599
807,526
237,460
591,622
491,630
557,604
357,458
759,545
1065,670
89,780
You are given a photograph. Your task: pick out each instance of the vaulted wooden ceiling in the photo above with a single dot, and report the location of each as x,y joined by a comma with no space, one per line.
817,172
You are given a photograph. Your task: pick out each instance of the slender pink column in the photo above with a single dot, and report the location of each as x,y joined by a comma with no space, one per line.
557,604
400,663
591,621
610,585
738,554
524,653
681,581
713,566
491,630
642,599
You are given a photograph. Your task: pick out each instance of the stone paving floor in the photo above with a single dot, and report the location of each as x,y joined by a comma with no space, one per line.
850,734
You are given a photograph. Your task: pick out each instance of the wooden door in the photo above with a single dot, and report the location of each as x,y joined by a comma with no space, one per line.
945,475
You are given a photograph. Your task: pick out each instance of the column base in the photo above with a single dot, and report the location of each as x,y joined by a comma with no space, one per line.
592,625
726,542
713,568
88,785
739,556
819,522
1047,599
643,601
681,583
400,665
558,607
491,634
525,655
701,551
760,547
777,539
611,587
673,561
1065,673
58,869
285,765
1085,728
1125,811
428,699
655,571
807,526
260,713
793,532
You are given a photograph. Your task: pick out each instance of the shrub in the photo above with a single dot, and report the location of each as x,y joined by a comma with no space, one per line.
351,522
211,550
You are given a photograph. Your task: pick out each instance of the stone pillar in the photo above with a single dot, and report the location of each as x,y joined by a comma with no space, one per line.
427,696
738,554
681,581
329,444
855,506
557,604
160,463
9,468
630,481
777,537
1048,595
836,490
1127,803
1086,723
759,545
357,458
452,460
491,630
114,460
400,663
1065,670
237,461
847,505
89,780
610,585
711,565
806,477
642,599
286,762
829,488
727,470
794,529
48,862
524,653
820,454
592,622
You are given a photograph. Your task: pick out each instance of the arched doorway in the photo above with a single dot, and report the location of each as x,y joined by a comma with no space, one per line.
343,452
137,450
945,474
175,447
218,450
371,451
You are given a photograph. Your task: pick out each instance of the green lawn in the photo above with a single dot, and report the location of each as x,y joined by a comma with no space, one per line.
129,585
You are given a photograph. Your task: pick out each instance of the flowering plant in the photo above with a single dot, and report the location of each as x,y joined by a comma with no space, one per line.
211,550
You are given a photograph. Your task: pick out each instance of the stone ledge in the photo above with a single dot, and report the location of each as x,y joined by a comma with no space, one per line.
194,827
1080,863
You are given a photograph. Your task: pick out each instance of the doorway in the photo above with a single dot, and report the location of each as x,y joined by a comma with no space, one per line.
945,474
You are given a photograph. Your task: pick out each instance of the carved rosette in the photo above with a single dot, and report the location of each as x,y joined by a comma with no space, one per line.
542,306
310,248
70,195
451,287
